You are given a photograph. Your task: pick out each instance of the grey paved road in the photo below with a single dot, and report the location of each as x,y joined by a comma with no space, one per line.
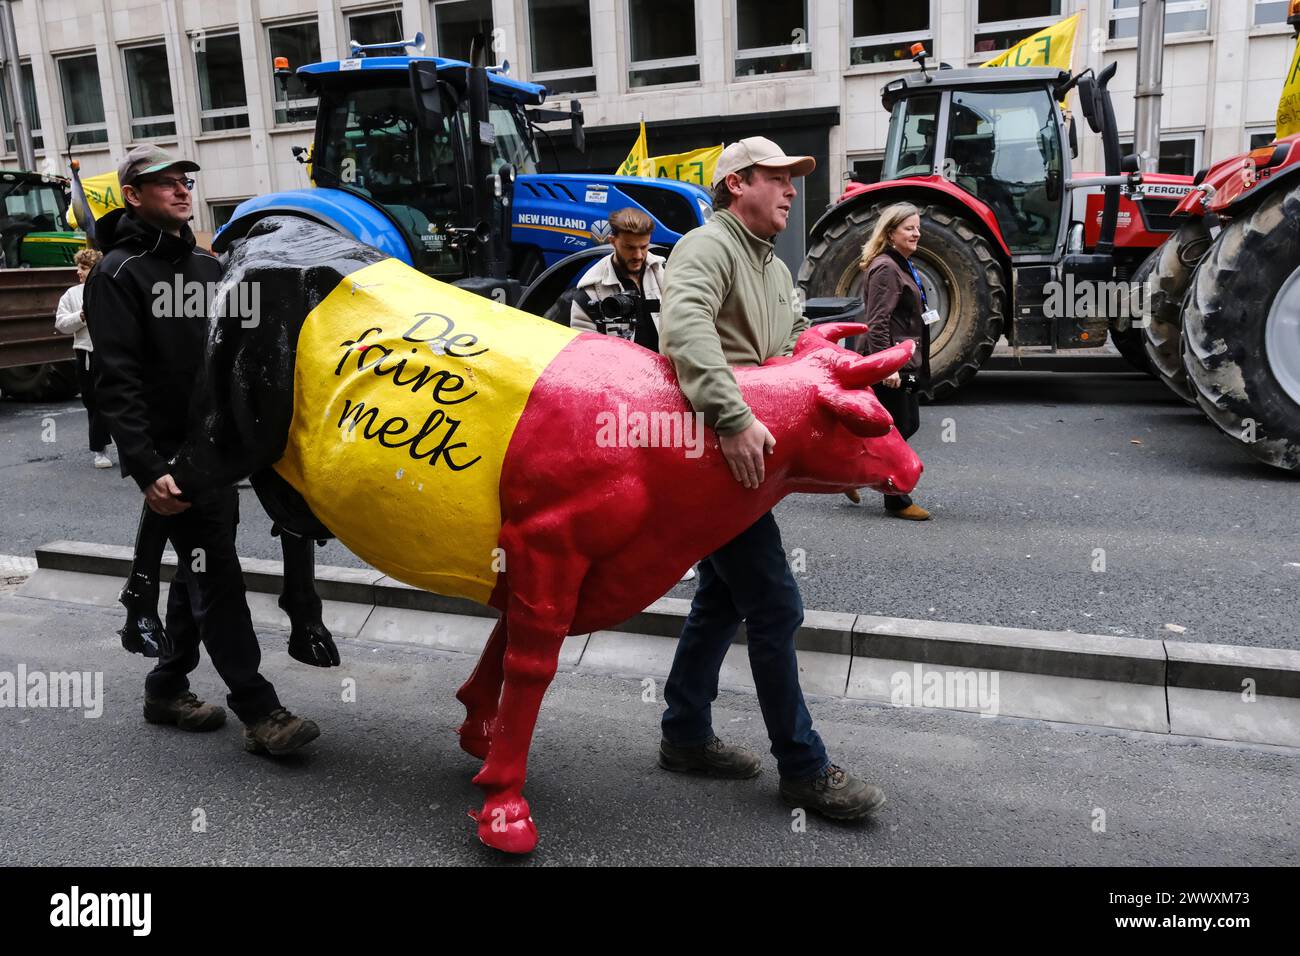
1043,474
386,782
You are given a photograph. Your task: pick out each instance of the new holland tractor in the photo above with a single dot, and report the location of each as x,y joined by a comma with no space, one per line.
434,161
1009,233
1224,326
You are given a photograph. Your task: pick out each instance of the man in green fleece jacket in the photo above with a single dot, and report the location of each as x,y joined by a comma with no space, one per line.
727,300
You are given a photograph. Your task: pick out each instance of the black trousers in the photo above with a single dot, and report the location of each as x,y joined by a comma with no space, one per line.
207,605
99,436
906,408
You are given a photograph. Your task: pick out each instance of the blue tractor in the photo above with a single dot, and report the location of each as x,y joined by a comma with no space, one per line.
433,161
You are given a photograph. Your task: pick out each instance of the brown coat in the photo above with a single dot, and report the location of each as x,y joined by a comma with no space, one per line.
894,309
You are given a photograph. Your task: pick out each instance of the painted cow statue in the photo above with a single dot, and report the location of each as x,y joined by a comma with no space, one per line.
471,449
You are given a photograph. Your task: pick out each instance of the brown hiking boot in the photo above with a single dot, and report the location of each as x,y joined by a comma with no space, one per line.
278,733
185,711
912,512
834,793
714,758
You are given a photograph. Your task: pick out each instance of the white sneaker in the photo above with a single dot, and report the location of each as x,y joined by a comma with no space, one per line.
690,574
102,460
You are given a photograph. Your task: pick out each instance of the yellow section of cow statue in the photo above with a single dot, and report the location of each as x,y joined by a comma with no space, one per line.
406,394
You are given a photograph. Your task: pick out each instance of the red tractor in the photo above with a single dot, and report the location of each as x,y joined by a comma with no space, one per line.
1224,324
1009,234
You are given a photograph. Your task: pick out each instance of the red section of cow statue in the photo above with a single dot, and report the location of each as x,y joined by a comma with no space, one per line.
593,531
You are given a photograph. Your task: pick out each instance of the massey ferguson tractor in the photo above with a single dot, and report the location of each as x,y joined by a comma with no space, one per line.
1224,326
434,162
1011,239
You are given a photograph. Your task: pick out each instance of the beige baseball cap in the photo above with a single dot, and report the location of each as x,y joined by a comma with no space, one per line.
146,159
759,151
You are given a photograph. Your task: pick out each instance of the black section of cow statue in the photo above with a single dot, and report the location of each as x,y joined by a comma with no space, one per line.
240,416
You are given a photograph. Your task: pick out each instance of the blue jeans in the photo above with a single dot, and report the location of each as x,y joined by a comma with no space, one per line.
748,579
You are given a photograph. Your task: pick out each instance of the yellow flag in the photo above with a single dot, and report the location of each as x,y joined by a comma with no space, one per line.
103,195
1051,46
1288,108
695,166
637,162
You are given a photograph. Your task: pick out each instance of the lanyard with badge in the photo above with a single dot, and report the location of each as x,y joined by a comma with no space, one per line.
929,316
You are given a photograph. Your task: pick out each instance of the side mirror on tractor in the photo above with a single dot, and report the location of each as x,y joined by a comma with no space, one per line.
424,91
579,134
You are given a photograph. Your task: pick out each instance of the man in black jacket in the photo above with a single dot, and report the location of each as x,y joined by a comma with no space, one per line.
149,338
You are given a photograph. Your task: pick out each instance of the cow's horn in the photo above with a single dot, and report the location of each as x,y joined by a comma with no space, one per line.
861,372
816,336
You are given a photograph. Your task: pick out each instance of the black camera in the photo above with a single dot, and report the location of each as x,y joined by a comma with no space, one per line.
621,305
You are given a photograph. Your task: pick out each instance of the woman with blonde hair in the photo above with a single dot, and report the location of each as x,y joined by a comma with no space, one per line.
897,310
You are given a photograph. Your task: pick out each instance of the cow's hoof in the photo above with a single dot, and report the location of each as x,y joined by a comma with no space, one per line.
497,830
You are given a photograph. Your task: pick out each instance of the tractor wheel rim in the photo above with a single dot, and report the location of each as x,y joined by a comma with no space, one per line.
1282,337
936,295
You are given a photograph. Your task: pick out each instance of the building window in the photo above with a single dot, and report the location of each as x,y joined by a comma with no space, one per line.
866,169
457,22
1268,12
1004,23
662,41
1259,138
1181,16
376,26
299,43
772,37
1178,157
221,212
560,35
28,86
149,91
885,32
83,104
223,100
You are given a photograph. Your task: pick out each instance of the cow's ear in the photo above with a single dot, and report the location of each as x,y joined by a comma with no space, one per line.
858,411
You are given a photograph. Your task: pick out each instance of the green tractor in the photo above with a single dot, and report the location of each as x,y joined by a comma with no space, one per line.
34,230
36,250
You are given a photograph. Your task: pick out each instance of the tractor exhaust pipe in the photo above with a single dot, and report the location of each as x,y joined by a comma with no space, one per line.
482,137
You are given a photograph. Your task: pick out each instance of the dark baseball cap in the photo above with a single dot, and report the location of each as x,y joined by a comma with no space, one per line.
145,159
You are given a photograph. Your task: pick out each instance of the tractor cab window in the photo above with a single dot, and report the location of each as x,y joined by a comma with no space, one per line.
371,145
912,131
1004,148
512,141
41,207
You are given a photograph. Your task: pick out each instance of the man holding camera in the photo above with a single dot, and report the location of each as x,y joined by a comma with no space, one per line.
631,277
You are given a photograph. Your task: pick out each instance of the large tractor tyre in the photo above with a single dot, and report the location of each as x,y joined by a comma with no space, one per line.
1128,341
51,382
963,281
1174,264
1241,331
